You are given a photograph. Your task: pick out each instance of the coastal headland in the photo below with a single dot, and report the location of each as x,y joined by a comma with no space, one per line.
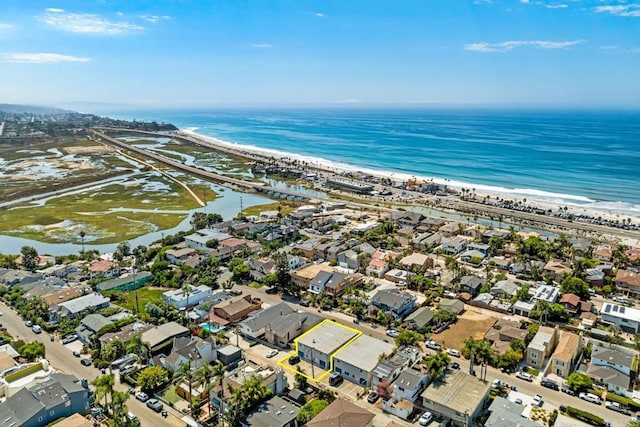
391,194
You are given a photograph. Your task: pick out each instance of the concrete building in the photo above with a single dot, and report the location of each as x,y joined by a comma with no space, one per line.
626,317
566,355
357,361
541,346
460,398
319,344
179,299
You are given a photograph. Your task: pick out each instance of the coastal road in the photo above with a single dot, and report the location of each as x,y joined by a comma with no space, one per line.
61,359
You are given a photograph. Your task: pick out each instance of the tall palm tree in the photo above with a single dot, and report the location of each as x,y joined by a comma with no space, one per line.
104,388
484,353
203,375
119,398
470,348
437,364
82,235
218,372
184,373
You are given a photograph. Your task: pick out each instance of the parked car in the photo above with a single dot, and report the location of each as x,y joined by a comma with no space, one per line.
433,345
85,362
615,406
518,401
235,292
392,333
132,416
568,391
335,379
550,384
304,303
372,397
294,360
29,323
453,352
271,353
590,397
141,396
524,376
425,418
455,365
272,291
36,329
69,338
76,353
155,404
537,400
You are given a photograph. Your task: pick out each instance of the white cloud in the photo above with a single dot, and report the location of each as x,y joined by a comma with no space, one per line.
556,6
42,58
632,9
320,15
524,1
5,26
618,49
154,18
262,45
54,10
510,45
87,23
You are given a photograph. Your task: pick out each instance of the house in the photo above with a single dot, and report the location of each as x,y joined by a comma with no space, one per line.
471,284
357,361
426,241
76,306
547,293
285,328
234,309
353,259
200,240
261,267
450,229
454,245
580,245
66,294
612,368
500,262
11,277
162,335
450,304
557,269
408,219
401,408
127,283
523,308
487,235
420,318
398,276
503,332
459,397
410,384
229,355
565,356
603,253
472,257
417,262
303,276
504,288
627,318
573,304
628,282
255,326
483,300
272,378
318,345
75,420
184,298
505,413
41,404
179,256
193,350
90,325
341,413
275,412
325,278
479,247
541,346
125,334
379,263
397,304
594,277
390,367
103,268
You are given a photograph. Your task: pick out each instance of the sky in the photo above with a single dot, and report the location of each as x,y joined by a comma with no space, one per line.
217,53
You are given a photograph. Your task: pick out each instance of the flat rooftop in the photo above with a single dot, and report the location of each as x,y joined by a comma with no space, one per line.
364,352
460,392
327,337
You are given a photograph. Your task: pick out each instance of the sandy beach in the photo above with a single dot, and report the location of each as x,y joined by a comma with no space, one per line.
474,204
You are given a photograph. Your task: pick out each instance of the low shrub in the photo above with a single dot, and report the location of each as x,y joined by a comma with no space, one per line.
585,416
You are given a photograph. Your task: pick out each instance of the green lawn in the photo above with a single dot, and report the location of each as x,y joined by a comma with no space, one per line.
170,394
127,299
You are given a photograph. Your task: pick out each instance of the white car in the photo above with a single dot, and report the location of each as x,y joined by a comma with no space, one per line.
142,396
524,376
453,352
272,353
392,333
433,345
537,400
425,418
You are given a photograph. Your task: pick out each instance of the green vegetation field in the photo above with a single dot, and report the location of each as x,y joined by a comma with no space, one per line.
127,299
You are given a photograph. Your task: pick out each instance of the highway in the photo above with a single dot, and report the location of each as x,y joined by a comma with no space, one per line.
61,359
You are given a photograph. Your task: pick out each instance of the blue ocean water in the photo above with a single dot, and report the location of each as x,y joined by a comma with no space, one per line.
589,158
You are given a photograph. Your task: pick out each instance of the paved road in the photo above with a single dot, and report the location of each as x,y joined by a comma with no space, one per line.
61,359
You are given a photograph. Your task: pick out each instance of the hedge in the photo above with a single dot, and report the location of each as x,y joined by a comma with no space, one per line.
585,416
624,401
23,372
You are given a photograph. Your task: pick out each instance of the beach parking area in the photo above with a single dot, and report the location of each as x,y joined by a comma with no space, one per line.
469,324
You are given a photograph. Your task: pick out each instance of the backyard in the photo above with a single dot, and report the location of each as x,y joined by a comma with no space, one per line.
469,324
127,299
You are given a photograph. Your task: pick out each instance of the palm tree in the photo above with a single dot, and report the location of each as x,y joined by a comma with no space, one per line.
137,347
485,353
470,348
543,307
204,374
437,364
118,401
104,388
184,373
82,235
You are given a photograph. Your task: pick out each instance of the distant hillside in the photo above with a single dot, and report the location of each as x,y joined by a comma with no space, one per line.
30,109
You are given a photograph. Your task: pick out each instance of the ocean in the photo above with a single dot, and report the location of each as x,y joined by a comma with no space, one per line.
585,158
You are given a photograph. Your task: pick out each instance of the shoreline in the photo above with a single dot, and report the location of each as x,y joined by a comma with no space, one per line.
338,169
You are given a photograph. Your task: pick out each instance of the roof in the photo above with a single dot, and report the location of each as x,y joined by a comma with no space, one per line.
542,338
415,258
409,378
420,317
267,316
312,271
341,413
95,322
566,347
620,311
612,356
102,265
449,304
235,305
571,299
628,278
75,420
275,412
364,352
505,413
137,279
392,298
84,302
162,333
65,294
472,282
460,392
506,286
6,361
281,325
608,375
327,337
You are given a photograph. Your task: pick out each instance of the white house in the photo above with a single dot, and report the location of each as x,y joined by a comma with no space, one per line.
181,299
358,360
409,384
199,239
454,245
626,317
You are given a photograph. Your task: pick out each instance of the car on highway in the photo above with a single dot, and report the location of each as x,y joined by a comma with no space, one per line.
85,362
425,418
69,338
392,333
271,353
524,376
141,396
373,397
155,404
